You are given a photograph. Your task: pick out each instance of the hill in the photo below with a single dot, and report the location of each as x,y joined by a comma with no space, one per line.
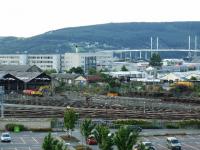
105,36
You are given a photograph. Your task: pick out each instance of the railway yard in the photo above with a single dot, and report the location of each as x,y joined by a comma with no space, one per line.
99,106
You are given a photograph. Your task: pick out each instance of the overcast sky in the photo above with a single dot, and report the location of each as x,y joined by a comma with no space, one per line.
26,18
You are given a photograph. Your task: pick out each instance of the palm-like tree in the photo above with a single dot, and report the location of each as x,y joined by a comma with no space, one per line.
124,138
86,127
52,144
103,137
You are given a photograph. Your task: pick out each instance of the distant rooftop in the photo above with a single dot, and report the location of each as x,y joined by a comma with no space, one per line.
20,68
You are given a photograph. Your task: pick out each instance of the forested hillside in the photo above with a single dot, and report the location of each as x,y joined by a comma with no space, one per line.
105,36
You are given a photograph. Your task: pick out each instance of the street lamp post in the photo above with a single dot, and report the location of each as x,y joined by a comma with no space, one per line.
106,105
144,108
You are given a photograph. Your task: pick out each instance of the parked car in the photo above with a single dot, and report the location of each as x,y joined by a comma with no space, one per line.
147,146
91,140
173,143
5,137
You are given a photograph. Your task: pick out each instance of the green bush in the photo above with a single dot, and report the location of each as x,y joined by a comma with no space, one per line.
132,122
41,129
189,124
142,123
171,126
11,126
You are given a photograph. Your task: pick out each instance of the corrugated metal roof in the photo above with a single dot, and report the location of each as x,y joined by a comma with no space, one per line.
22,68
19,68
25,76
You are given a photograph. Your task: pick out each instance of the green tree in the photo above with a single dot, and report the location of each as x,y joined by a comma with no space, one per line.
70,119
125,138
50,71
103,137
50,143
92,71
77,70
124,68
193,78
155,60
86,127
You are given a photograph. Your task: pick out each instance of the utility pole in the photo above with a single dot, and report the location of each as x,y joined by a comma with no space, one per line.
1,96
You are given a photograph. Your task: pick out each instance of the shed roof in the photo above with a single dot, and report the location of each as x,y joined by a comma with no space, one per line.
26,76
19,68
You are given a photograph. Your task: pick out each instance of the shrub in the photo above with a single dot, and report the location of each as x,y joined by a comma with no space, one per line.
41,129
189,124
142,123
10,127
171,126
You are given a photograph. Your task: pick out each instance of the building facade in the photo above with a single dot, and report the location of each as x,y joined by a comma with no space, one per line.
60,62
83,60
13,59
46,61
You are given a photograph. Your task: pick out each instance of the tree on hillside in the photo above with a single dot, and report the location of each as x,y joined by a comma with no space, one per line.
124,138
77,70
70,118
124,68
155,60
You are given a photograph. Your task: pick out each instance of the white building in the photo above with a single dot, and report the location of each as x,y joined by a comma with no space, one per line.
131,74
60,62
104,60
13,59
45,61
83,60
172,62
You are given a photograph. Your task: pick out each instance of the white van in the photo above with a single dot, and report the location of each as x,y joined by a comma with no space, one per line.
173,143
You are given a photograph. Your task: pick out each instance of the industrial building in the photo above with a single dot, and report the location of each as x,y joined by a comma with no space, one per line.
16,78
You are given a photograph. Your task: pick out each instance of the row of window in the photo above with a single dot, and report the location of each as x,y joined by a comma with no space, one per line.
40,57
9,57
40,62
12,62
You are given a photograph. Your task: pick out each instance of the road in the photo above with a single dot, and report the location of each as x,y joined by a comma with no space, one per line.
33,140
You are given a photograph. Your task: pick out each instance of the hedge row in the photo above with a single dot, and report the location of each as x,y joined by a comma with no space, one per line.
11,127
151,125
